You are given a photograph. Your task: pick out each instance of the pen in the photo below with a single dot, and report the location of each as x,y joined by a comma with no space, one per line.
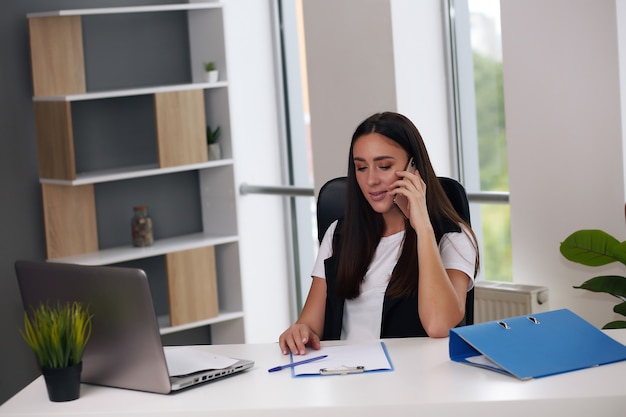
291,365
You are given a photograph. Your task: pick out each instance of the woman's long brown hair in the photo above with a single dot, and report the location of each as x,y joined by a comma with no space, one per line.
363,227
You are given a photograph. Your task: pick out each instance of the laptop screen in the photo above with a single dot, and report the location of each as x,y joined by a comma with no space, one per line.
125,347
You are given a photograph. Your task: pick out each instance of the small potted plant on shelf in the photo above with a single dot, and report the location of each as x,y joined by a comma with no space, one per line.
211,72
58,336
212,136
598,248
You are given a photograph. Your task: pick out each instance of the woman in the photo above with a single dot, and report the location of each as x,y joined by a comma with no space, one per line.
401,260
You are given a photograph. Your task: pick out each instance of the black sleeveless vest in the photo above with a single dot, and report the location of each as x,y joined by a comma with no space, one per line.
399,317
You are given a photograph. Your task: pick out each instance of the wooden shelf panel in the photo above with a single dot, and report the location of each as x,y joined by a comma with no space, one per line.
134,9
192,285
181,128
128,92
70,220
57,67
133,172
160,247
55,140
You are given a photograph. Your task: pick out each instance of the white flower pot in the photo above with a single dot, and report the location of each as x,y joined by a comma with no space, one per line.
211,76
215,151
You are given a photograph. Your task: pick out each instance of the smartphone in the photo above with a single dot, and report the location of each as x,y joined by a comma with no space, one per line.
400,200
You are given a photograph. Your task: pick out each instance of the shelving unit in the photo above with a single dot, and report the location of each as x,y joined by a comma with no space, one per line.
109,139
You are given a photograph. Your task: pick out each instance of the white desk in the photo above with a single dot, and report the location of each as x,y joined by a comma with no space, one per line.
425,382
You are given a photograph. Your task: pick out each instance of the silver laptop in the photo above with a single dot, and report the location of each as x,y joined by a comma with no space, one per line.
125,349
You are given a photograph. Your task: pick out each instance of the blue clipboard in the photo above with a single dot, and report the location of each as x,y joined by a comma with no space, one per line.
347,359
535,346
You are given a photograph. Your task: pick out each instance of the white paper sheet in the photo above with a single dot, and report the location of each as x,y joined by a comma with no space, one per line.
183,360
483,360
371,356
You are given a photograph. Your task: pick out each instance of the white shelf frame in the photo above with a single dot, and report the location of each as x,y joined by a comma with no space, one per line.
133,9
224,316
98,95
160,247
126,173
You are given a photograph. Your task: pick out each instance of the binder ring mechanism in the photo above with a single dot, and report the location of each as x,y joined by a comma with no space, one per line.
505,326
345,370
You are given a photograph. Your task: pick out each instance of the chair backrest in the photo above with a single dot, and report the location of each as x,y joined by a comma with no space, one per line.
331,202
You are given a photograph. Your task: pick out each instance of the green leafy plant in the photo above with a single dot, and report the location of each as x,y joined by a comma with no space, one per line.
209,66
212,135
57,335
598,248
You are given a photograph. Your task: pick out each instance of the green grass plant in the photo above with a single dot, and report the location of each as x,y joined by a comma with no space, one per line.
57,335
212,135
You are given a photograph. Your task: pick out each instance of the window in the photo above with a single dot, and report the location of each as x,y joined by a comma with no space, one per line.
476,49
476,59
298,144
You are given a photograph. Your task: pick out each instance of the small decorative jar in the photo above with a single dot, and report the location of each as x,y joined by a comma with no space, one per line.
141,226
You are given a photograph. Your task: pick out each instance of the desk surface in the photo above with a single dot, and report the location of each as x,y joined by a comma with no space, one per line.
424,380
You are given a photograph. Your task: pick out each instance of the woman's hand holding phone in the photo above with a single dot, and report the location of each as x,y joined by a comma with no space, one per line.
401,201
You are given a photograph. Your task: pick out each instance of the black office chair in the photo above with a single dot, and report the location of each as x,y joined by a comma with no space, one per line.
331,202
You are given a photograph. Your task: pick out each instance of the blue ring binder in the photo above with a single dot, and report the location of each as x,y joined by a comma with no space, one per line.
535,346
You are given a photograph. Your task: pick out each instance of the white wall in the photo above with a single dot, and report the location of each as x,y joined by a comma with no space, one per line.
254,123
420,72
562,102
366,56
621,34
349,55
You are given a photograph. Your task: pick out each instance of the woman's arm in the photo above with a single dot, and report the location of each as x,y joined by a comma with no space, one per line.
310,325
441,292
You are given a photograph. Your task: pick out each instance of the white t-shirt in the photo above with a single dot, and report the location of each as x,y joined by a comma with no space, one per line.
362,316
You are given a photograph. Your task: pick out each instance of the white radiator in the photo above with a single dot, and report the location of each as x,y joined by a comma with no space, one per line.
499,300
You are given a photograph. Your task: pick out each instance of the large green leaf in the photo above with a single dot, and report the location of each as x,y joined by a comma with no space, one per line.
618,324
590,247
620,309
611,284
619,252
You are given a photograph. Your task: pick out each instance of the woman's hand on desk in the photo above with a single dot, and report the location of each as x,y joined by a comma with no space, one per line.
296,338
